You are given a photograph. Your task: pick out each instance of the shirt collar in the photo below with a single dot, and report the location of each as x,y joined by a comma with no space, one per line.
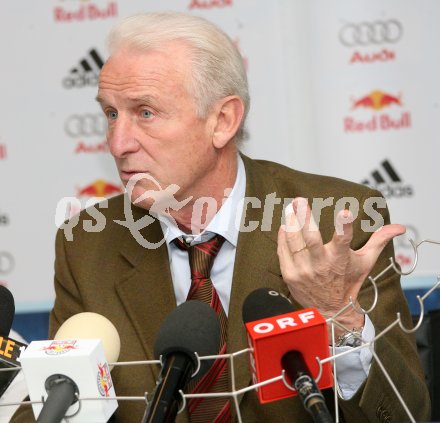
225,222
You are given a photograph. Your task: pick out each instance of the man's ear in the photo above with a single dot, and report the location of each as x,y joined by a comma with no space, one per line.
229,114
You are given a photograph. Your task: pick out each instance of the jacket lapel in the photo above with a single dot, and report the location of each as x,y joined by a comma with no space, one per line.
146,291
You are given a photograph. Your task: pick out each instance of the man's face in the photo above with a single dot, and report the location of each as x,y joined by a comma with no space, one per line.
152,123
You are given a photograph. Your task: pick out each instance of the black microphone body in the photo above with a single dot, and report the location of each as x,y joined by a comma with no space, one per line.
299,375
176,372
62,393
10,349
190,330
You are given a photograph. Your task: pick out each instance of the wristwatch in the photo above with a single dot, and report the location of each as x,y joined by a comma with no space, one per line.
352,338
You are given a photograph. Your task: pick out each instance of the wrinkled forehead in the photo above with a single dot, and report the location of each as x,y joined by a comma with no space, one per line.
175,53
153,77
169,60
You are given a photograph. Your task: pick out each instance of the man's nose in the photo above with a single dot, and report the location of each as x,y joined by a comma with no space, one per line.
121,137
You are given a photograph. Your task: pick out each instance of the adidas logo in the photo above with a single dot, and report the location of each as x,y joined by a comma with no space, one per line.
388,170
388,182
86,73
2,151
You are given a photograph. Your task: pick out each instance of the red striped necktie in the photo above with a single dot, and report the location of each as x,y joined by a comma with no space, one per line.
217,409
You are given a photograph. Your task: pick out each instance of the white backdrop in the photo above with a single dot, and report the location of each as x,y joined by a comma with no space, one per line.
317,70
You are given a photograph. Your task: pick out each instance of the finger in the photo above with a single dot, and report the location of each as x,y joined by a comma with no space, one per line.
379,240
293,224
343,234
292,230
310,231
284,253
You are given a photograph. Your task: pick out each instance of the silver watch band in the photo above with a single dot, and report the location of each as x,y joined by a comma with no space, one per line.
352,338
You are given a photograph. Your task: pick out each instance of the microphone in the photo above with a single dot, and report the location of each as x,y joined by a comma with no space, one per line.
7,310
93,326
190,330
74,364
284,339
10,349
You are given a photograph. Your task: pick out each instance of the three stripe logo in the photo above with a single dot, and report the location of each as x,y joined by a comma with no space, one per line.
87,71
387,180
90,63
387,171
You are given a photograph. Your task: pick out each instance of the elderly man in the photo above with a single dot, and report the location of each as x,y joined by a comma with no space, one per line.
175,95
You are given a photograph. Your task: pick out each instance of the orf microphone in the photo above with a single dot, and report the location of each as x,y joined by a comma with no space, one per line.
190,330
10,349
284,339
62,370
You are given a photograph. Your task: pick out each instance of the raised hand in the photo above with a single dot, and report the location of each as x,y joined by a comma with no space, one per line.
326,276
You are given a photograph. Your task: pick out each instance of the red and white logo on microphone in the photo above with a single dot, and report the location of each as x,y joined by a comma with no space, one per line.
272,337
59,347
104,379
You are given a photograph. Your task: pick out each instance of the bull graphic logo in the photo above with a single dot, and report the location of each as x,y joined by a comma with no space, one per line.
60,347
104,380
376,100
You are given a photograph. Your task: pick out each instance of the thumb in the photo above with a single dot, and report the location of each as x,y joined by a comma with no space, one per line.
380,239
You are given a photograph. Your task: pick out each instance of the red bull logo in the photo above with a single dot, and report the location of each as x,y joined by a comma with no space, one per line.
377,101
99,188
60,347
85,12
104,380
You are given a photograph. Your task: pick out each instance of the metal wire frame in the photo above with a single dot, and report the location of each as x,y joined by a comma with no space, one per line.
234,394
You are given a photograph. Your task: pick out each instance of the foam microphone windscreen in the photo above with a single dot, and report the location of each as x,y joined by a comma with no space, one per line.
256,305
89,325
7,311
192,327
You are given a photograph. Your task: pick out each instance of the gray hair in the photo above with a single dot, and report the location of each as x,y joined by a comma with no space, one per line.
217,66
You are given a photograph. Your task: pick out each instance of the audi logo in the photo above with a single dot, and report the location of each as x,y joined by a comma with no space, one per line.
367,33
87,125
6,263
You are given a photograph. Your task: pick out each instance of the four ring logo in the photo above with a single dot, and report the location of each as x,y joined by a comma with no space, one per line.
86,125
6,263
367,33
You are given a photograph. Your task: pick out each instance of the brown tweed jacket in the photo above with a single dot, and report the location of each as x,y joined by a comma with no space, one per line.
108,272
